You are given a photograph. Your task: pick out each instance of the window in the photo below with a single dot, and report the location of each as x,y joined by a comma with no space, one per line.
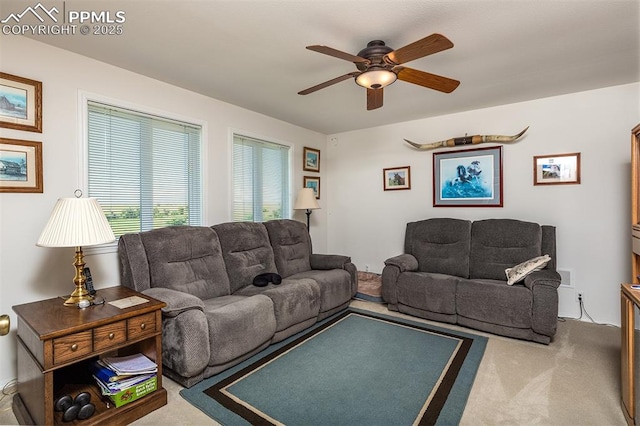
144,170
260,180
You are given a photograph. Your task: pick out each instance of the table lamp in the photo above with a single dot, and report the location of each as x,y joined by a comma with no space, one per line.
77,222
306,201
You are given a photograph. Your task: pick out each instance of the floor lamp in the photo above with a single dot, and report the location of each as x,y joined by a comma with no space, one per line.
306,200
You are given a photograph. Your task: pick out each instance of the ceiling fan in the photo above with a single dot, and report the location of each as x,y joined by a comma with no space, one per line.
379,66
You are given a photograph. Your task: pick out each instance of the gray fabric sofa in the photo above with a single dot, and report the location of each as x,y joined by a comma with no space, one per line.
453,271
215,317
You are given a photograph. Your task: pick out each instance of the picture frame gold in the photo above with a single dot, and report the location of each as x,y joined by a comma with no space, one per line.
20,166
312,182
20,103
311,160
556,169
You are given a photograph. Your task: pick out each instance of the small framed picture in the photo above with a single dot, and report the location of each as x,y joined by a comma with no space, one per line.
20,166
396,178
311,160
468,178
558,169
20,103
314,183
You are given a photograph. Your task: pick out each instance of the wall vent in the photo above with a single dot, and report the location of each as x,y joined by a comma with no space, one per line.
566,277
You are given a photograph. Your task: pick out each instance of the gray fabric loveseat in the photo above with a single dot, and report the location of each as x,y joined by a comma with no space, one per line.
453,271
215,317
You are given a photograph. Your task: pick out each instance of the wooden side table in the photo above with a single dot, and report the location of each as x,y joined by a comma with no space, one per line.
57,343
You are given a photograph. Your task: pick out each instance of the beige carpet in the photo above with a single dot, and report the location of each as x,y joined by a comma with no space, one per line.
573,381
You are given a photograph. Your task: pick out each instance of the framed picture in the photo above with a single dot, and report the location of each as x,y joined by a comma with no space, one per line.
468,178
20,166
311,160
559,169
20,103
312,182
396,178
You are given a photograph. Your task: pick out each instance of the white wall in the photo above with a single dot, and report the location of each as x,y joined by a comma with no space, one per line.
592,219
29,273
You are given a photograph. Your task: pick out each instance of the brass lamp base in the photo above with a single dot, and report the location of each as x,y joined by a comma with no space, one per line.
80,293
76,297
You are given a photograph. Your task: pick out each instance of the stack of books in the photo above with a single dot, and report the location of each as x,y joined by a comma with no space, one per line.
125,379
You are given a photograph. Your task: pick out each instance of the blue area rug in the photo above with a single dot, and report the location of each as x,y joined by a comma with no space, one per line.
354,368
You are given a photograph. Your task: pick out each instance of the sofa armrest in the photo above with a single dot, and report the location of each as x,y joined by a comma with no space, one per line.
328,261
177,301
544,287
185,332
545,277
404,262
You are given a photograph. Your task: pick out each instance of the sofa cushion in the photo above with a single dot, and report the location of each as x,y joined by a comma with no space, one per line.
498,244
495,302
186,259
246,251
291,246
520,271
440,245
334,284
294,301
238,327
428,292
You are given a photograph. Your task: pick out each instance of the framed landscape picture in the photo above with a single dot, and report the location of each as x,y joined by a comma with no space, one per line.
396,178
311,160
20,166
20,103
468,178
559,169
314,183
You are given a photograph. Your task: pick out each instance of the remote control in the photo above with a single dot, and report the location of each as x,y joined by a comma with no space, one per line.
89,281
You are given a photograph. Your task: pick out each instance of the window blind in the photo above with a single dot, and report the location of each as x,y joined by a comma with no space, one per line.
144,170
260,180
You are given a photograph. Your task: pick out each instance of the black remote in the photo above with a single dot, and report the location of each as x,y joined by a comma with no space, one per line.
88,281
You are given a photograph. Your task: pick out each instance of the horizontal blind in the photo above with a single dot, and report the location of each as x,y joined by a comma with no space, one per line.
260,180
144,170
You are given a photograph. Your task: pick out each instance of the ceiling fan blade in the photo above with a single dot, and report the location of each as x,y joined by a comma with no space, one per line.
374,98
425,79
337,54
328,83
427,46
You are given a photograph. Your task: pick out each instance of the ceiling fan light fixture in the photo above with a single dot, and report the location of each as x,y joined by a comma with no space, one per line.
376,79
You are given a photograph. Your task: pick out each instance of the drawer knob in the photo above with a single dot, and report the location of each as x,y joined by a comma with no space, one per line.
74,347
143,325
111,336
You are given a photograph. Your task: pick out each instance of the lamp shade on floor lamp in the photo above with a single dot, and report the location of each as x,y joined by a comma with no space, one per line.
306,200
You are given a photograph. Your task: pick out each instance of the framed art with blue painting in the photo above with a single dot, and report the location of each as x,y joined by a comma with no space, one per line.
20,166
468,178
20,103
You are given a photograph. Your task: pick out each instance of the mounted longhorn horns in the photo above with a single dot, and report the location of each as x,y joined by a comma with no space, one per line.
467,140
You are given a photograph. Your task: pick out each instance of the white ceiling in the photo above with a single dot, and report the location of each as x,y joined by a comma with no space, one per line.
252,53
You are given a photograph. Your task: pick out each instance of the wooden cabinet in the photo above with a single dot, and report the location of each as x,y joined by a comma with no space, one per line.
56,344
630,298
635,204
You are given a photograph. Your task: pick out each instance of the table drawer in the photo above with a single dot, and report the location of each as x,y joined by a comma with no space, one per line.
141,325
72,346
108,335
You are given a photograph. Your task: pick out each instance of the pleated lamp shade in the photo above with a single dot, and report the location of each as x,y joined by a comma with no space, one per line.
76,222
